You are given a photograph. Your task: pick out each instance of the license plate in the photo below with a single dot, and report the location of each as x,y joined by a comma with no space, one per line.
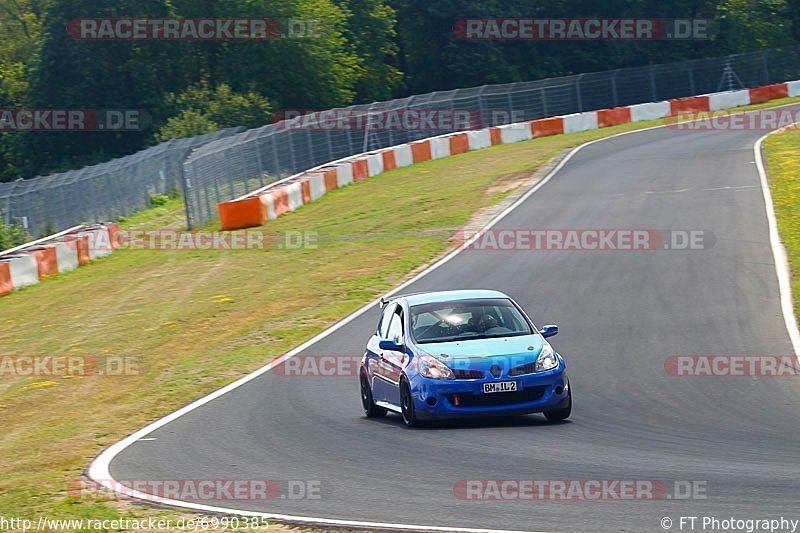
500,386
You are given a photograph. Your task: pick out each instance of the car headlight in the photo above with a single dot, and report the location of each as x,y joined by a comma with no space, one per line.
547,359
430,367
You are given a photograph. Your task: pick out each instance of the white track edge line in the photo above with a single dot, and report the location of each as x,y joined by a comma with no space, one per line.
778,250
99,470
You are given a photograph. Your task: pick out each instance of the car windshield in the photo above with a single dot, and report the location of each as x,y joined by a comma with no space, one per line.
467,320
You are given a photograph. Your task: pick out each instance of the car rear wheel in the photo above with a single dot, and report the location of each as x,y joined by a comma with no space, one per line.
557,415
407,405
370,409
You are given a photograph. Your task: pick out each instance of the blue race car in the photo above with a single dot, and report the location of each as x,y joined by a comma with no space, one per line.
446,354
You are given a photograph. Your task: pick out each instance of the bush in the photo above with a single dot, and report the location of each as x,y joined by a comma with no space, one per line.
12,235
157,200
203,109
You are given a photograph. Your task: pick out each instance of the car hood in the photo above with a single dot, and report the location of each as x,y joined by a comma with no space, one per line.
525,347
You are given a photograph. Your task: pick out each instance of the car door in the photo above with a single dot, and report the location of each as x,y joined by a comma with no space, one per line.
394,361
376,367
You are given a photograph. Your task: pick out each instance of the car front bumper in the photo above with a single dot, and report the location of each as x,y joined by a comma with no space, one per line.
535,393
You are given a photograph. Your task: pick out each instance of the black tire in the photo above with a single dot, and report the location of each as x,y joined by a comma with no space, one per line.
557,415
407,405
370,409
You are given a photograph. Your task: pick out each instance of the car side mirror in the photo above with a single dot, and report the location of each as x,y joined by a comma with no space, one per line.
390,345
549,330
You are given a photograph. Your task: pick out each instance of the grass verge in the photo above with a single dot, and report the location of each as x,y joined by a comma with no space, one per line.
192,321
782,151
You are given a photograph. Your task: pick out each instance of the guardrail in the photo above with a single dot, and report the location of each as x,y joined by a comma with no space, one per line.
65,251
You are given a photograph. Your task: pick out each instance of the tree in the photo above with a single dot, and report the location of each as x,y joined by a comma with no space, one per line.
315,69
371,33
201,109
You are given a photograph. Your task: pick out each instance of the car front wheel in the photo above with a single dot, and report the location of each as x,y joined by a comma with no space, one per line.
557,415
407,405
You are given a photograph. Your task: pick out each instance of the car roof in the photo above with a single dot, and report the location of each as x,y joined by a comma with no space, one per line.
445,296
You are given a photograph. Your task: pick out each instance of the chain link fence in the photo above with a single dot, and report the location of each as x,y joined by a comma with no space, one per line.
229,163
231,167
99,193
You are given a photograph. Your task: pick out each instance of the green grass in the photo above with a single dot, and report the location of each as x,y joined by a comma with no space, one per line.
196,320
170,214
782,151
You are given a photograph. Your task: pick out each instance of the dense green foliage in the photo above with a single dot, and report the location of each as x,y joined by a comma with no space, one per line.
360,51
12,235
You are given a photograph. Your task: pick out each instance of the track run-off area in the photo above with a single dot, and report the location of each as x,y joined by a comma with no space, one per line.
622,314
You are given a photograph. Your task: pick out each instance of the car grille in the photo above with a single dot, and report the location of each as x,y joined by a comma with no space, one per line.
528,394
468,374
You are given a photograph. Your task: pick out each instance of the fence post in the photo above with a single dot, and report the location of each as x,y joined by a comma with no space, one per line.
275,157
510,106
7,211
482,107
409,102
614,94
257,140
578,92
653,83
365,145
185,186
544,101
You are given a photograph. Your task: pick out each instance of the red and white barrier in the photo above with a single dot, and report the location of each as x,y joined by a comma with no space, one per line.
479,139
375,163
294,193
24,270
99,241
580,122
403,156
6,285
30,263
440,147
728,100
513,133
288,195
269,206
649,111
67,256
316,185
344,174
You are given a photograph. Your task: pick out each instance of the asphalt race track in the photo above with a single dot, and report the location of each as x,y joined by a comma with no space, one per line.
621,314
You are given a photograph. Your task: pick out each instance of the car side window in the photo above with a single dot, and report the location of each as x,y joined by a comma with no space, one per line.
383,327
395,332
